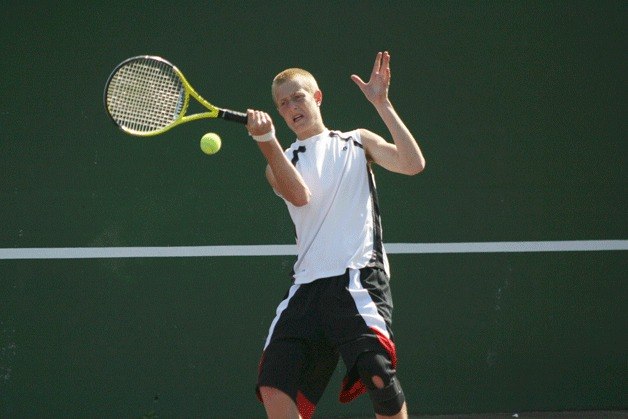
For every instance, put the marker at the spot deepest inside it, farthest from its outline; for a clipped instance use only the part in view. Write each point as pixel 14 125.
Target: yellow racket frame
pixel 213 111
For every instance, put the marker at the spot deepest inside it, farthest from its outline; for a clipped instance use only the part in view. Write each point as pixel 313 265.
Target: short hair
pixel 305 77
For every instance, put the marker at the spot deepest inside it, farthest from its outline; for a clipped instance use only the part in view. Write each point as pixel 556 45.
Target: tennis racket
pixel 147 95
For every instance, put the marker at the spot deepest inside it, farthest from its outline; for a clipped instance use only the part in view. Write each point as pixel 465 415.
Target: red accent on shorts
pixel 389 345
pixel 306 407
pixel 356 390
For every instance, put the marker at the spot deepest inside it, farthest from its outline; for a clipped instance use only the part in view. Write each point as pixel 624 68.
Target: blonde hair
pixel 306 79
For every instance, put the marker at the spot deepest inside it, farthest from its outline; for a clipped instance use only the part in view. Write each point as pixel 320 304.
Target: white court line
pixel 510 247
pixel 287 249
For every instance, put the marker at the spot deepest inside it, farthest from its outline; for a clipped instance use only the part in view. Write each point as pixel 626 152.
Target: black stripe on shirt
pixel 377 258
pixel 295 154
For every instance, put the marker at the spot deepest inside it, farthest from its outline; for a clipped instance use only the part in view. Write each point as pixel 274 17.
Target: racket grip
pixel 234 116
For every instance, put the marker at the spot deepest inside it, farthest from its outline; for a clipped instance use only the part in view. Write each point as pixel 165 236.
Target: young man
pixel 339 304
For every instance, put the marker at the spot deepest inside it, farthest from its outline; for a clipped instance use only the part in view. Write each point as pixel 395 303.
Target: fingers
pixel 259 122
pixel 382 63
pixel 377 65
pixel 385 68
pixel 385 59
pixel 386 63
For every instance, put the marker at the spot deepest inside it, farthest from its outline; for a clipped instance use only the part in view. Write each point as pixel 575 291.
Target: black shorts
pixel 316 323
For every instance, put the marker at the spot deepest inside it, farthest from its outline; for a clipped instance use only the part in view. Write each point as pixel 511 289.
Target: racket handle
pixel 234 116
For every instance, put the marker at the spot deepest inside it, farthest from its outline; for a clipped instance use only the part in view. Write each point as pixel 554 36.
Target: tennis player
pixel 339 304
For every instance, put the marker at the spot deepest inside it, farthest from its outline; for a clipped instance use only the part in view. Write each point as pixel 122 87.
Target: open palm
pixel 376 89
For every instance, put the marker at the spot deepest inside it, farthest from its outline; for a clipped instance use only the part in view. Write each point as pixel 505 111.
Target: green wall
pixel 519 107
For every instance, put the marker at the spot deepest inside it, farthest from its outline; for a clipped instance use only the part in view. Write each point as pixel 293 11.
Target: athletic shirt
pixel 340 226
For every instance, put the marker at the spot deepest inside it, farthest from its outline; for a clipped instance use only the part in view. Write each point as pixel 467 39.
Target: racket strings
pixel 145 95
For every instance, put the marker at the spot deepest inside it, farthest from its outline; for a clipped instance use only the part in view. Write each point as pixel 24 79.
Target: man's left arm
pixel 403 155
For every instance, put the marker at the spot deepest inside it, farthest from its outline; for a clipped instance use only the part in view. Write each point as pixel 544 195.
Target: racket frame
pixel 188 90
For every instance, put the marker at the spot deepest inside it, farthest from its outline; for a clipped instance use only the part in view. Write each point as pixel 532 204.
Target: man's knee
pixel 379 377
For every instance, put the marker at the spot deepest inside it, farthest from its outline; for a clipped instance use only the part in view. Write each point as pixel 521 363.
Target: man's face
pixel 299 108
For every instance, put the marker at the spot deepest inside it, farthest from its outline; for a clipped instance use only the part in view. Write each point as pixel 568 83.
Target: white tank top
pixel 340 227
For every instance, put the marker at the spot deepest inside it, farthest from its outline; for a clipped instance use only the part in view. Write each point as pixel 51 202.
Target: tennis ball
pixel 210 143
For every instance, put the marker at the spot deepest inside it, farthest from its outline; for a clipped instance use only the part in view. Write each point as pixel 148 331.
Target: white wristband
pixel 269 136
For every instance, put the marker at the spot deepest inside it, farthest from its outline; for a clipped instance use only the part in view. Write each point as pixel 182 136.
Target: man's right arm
pixel 280 173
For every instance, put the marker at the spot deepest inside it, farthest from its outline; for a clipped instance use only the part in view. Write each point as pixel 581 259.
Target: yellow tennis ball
pixel 210 143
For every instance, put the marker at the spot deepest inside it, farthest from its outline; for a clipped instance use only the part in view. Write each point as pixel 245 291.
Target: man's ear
pixel 318 97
